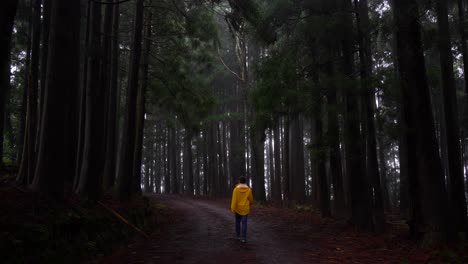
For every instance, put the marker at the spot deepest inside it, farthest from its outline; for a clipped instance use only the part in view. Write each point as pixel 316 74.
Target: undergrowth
pixel 70 232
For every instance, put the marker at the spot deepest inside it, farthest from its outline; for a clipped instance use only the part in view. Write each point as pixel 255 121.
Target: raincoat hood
pixel 241 199
pixel 242 187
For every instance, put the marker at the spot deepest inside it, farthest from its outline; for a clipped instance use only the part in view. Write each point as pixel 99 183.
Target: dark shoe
pixel 243 241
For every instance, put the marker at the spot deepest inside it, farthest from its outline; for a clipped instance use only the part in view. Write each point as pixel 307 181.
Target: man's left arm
pixel 233 201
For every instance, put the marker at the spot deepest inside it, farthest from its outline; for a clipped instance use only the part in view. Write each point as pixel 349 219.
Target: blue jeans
pixel 241 226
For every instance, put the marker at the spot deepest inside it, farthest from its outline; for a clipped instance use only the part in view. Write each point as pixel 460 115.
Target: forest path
pixel 203 232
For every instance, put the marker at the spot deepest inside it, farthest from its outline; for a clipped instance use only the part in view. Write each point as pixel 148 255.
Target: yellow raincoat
pixel 242 198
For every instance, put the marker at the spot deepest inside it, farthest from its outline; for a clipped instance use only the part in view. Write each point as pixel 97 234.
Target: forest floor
pixel 34 229
pixel 201 230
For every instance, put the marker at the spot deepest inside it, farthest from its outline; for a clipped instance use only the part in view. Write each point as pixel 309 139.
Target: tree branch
pixel 227 67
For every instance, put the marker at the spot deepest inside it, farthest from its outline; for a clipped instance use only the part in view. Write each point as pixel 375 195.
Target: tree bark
pixel 276 190
pixel 7 18
pixel 27 166
pixel 361 214
pixel 258 172
pixel 172 156
pixel 127 159
pixel 296 160
pixel 333 137
pixel 167 175
pixel 111 111
pixel 368 101
pixel 271 166
pixel 61 85
pixel 141 107
pixel 426 182
pixel 188 162
pixel 318 159
pixel 286 159
pixel 90 182
pixel 463 46
pixel 22 127
pixel 383 164
pixel 456 189
pixel 205 162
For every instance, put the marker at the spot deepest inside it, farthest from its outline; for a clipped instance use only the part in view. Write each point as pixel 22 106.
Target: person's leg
pixel 244 227
pixel 238 222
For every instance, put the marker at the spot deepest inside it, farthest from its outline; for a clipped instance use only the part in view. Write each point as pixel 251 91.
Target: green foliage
pixel 183 70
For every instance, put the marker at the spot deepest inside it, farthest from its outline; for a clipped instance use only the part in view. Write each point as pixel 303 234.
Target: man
pixel 242 198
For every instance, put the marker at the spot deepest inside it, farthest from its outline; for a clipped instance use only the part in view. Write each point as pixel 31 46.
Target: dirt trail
pixel 203 232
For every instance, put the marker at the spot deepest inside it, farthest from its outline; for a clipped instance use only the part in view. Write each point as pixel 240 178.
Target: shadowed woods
pixel 353 109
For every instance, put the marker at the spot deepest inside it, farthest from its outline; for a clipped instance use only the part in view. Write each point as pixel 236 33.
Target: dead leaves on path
pixel 331 241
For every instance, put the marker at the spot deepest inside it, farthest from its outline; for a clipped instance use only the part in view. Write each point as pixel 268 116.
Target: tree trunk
pixel 22 126
pixel 463 46
pixel 271 166
pixel 368 101
pixel 46 5
pixel 178 168
pixel 456 189
pixel 140 108
pixel 225 173
pixel 168 157
pixel 188 162
pixel 205 162
pixel 383 165
pixel 90 182
pixel 129 134
pixel 333 137
pixel 27 165
pixel 426 182
pixel 197 170
pixel 296 160
pixel 173 160
pixel 318 159
pixel 258 172
pixel 61 85
pixel 111 111
pixel 361 214
pixel 276 190
pixel 7 18
pixel 286 159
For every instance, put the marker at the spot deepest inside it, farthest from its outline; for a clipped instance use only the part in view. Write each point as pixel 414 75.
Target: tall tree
pixel 140 105
pixel 318 158
pixel 426 182
pixel 361 214
pixel 296 160
pixel 276 189
pixel 7 18
pixel 125 180
pixel 368 101
pixel 90 181
pixel 27 166
pixel 46 5
pixel 456 189
pixel 61 85
pixel 111 123
pixel 257 135
pixel 188 162
pixel 463 47
pixel 27 63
